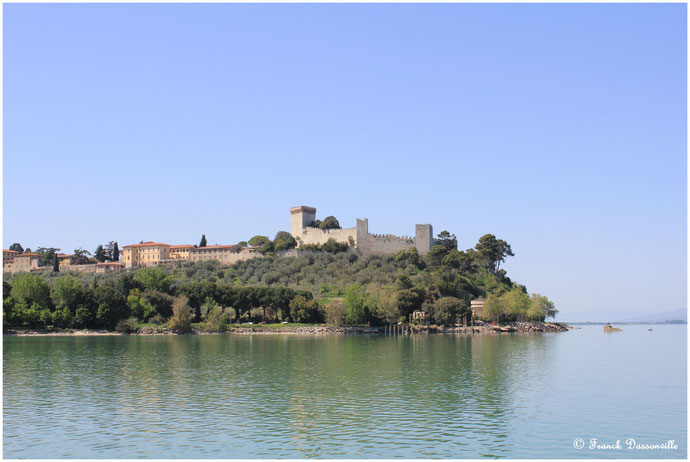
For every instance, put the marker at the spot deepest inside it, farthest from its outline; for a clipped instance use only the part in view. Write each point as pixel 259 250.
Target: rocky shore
pixel 516 327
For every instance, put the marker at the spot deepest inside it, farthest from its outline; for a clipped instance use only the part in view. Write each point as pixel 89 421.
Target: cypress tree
pixel 203 241
pixel 56 264
pixel 116 253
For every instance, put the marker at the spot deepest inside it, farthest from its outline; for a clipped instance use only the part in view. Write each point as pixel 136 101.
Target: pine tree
pixel 100 254
pixel 203 241
pixel 116 253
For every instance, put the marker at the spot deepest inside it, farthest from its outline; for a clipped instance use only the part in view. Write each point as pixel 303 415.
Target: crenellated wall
pixel 385 243
pixel 365 242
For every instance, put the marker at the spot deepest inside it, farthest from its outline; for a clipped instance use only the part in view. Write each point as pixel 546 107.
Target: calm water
pixel 449 396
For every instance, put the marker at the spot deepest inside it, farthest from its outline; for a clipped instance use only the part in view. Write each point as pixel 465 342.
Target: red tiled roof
pixel 183 246
pixel 211 247
pixel 9 251
pixel 30 254
pixel 146 244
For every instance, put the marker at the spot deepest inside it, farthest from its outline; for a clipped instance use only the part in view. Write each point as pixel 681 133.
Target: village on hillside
pixel 306 232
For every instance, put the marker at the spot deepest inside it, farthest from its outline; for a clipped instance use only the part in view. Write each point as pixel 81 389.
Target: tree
pixel 242 243
pixel 541 308
pixel 110 250
pixel 56 264
pixel 329 223
pixel 333 246
pixel 284 241
pixel 31 289
pixel 436 255
pixel 409 256
pixel 315 224
pixel 408 301
pixel 111 306
pixel 100 255
pixel 383 302
pixel 116 252
pixel 447 310
pixel 459 260
pixel 68 293
pixel 335 312
pixel 17 247
pixel 305 311
pixel 449 241
pixel 47 254
pixel 492 252
pixel 517 303
pixel 80 257
pixel 203 241
pixel 354 303
pixel 154 278
pixel 181 320
pixel 495 308
pixel 258 241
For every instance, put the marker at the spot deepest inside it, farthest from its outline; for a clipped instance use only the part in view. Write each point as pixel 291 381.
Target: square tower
pixel 300 217
pixel 423 238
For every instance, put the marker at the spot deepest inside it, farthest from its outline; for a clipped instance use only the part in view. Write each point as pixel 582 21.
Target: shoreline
pixel 515 327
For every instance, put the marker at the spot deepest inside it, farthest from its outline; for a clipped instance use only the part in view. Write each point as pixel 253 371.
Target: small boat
pixel 610 328
pixel 650 329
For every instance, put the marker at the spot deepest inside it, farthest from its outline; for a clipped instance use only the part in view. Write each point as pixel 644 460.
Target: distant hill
pixel 681 314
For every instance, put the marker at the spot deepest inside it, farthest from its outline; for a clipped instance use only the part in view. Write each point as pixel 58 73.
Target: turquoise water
pixel 373 396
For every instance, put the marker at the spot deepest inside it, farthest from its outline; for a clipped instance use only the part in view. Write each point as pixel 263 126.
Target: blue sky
pixel 559 128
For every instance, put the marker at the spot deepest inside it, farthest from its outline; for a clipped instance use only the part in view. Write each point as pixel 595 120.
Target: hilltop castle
pixel 359 236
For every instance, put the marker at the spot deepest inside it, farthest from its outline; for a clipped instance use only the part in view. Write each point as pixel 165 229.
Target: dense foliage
pixel 331 283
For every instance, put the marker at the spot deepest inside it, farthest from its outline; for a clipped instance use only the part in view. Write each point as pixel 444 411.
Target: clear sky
pixel 559 128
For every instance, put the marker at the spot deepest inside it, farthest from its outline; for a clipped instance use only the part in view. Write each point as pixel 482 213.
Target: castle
pixel 357 237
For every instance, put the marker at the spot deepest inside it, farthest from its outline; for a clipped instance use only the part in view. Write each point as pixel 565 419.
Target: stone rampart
pixel 321 236
pixel 385 243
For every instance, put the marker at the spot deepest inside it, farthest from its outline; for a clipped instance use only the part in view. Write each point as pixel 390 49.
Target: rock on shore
pixel 518 327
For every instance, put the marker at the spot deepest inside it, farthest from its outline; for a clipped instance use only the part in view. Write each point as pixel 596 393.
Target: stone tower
pixel 300 217
pixel 423 238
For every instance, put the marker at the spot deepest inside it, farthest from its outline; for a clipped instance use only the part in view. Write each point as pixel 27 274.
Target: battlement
pixel 359 236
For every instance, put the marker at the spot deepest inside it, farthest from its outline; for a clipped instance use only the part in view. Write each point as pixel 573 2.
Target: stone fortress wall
pixel 365 242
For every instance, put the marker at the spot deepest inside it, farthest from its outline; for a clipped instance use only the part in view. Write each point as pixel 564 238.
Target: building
pixel 180 252
pixel 358 237
pixel 144 254
pixel 477 307
pixel 108 266
pixel 225 254
pixel 23 262
pixel 222 253
pixel 8 256
pixel 64 261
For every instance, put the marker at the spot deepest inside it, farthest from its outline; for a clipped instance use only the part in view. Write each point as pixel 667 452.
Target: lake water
pixel 360 396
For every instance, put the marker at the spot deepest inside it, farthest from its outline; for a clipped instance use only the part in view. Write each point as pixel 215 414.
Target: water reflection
pixel 449 396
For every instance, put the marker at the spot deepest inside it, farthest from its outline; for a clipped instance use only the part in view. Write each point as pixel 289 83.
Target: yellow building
pixel 8 256
pixel 64 261
pixel 23 262
pixel 222 253
pixel 144 254
pixel 180 252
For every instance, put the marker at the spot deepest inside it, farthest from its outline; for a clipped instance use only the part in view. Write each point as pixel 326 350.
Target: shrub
pixel 157 320
pixel 181 320
pixel 127 326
